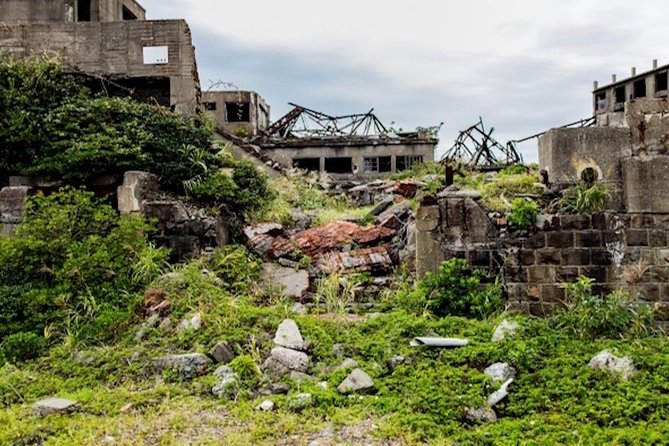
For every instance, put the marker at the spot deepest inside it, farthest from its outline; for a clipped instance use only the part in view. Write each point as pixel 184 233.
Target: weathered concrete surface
pixel 645 183
pixel 137 186
pixel 51 406
pixel 66 11
pixel 429 254
pixel 12 204
pixel 293 283
pixel 259 111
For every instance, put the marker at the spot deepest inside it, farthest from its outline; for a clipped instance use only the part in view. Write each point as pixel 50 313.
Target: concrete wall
pixel 609 248
pixel 284 153
pixel 115 49
pixel 259 111
pixel 12 11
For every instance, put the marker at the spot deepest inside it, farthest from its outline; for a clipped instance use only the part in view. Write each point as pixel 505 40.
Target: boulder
pixel 222 352
pixel 187 366
pixel 271 229
pixel 395 362
pixel 266 406
pixel 504 329
pixel 51 406
pixel 300 401
pixel 621 366
pixel 227 386
pixel 293 283
pixel 356 382
pixel 346 364
pixel 193 323
pixel 284 360
pixel 288 335
pixel 500 371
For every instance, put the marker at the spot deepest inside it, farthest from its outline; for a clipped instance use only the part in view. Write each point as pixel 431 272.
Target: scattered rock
pixel 356 382
pixel 301 221
pixel 499 394
pixel 227 386
pixel 166 325
pixel 348 363
pixel 299 308
pixel 504 329
pixel 300 377
pixel 288 335
pixel 279 389
pixel 223 371
pixel 604 360
pixel 401 210
pixel 323 385
pixel 480 415
pixel 186 366
pixel 51 406
pixel 338 350
pixel 394 362
pixel 283 360
pixel 194 323
pixel 272 229
pixel 382 206
pixel 293 283
pixel 300 401
pixel 127 408
pixel 500 371
pixel 108 440
pixel 222 353
pixel 266 406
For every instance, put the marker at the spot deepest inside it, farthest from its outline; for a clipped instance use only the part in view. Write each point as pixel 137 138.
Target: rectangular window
pixel 339 165
pixel 405 162
pixel 237 111
pixel 640 88
pixel 371 165
pixel 307 163
pixel 84 10
pixel 661 82
pixel 600 100
pixel 210 106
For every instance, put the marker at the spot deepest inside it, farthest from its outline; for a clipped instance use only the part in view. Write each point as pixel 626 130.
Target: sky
pixel 524 66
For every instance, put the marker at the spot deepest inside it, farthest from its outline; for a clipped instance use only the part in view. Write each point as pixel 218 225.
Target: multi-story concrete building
pixel 242 113
pixel 110 40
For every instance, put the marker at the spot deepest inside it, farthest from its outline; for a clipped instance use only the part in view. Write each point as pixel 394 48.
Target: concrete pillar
pixel 322 164
pixel 428 251
pixel 393 163
pixel 137 186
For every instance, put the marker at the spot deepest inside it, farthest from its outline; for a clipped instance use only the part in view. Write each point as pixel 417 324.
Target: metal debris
pixel 438 342
pixel 475 147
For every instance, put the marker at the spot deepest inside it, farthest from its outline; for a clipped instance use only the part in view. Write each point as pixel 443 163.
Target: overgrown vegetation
pixel 453 291
pixel 523 212
pixel 583 198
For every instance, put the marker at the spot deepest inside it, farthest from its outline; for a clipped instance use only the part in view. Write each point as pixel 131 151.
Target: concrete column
pixel 322 164
pixel 393 163
pixel 428 251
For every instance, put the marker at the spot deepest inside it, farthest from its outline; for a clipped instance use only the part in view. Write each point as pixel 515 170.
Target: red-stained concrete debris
pixel 334 236
pixel 407 188
pixel 372 260
pixel 261 243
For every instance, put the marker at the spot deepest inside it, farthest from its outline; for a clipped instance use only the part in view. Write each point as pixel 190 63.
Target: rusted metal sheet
pixel 373 260
pixel 407 188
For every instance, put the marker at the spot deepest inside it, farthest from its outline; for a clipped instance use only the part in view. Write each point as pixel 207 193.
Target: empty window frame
pixel 620 98
pixel 307 163
pixel 377 164
pixel 210 106
pixel 661 82
pixel 128 15
pixel 339 165
pixel 600 101
pixel 405 162
pixel 237 111
pixel 84 10
pixel 640 88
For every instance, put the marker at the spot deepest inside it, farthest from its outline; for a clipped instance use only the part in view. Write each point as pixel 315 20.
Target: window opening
pixel 210 106
pixel 237 111
pixel 84 10
pixel 661 82
pixel 600 100
pixel 339 165
pixel 640 88
pixel 128 15
pixel 405 162
pixel 307 163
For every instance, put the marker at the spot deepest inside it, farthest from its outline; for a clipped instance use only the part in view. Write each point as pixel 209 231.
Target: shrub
pixel 523 212
pixel 455 291
pixel 613 316
pixel 71 256
pixel 22 346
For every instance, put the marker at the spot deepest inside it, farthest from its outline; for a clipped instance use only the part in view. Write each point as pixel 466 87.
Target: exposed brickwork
pixel 606 247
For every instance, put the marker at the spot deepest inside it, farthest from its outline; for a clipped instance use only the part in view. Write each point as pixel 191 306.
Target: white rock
pixel 504 329
pixel 500 371
pixel 356 382
pixel 282 360
pixel 194 323
pixel 604 360
pixel 288 335
pixel 266 406
pixel 346 364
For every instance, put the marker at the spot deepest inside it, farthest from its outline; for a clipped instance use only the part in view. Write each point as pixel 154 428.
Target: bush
pixel 523 212
pixel 455 291
pixel 583 198
pixel 22 346
pixel 613 316
pixel 71 256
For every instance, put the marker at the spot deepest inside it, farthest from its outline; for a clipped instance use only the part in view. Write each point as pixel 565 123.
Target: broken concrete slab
pixel 375 260
pixel 505 329
pixel 271 229
pixel 292 283
pixel 401 210
pixel 12 203
pixel 52 406
pixel 137 186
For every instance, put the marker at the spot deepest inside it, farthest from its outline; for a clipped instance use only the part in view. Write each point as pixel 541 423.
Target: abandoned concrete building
pixel 110 40
pixel 625 246
pixel 241 113
pixel 345 147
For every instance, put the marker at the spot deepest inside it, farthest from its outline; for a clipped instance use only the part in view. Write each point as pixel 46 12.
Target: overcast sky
pixel 523 65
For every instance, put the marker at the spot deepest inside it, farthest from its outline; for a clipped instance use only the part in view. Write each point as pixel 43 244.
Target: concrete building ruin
pixel 345 147
pixel 110 40
pixel 626 246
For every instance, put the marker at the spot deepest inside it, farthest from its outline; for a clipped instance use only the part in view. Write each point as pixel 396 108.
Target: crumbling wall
pixel 614 249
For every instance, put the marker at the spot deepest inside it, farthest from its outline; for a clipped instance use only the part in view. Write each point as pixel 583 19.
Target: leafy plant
pixel 22 346
pixel 615 315
pixel 583 199
pixel 454 291
pixel 523 212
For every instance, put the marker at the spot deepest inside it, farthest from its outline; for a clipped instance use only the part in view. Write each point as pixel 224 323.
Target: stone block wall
pixel 610 248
